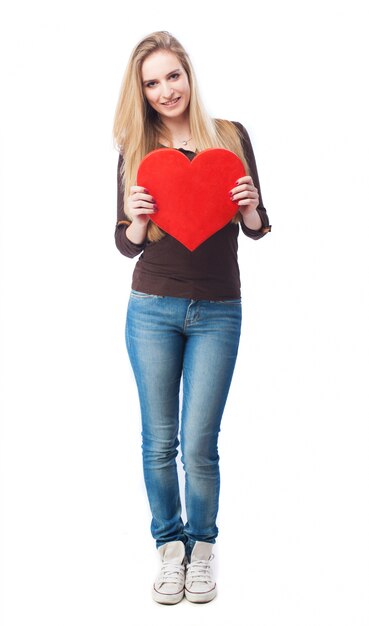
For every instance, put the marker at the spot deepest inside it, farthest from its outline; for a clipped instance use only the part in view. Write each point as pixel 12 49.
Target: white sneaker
pixel 169 584
pixel 200 586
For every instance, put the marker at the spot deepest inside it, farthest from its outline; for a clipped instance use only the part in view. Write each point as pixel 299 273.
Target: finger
pixel 143 196
pixel 247 202
pixel 244 179
pixel 245 194
pixel 141 211
pixel 135 188
pixel 243 187
pixel 141 203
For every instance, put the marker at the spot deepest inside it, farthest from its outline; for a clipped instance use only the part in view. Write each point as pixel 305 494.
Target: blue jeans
pixel 169 338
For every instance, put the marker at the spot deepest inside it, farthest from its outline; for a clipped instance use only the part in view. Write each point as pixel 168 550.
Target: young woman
pixel 184 312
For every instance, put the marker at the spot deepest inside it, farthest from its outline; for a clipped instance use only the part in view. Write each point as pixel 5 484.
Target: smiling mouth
pixel 171 102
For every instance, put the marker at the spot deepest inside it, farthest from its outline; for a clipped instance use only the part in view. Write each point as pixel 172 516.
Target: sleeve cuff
pixel 263 230
pixel 125 245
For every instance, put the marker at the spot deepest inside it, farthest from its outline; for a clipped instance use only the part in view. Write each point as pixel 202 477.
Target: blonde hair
pixel 138 127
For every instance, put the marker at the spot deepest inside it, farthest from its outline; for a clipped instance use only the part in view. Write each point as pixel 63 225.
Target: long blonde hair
pixel 138 127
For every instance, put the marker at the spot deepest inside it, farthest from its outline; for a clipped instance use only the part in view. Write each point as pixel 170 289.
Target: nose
pixel 167 91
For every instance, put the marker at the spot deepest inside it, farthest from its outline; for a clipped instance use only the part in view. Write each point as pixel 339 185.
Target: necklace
pixel 182 142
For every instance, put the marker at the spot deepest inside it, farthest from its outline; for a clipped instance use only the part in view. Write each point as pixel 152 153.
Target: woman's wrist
pixel 136 233
pixel 252 220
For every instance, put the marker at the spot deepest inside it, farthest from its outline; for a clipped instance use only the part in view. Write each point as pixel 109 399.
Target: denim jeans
pixel 169 338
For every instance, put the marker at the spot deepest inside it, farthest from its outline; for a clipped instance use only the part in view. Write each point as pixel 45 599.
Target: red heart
pixel 192 196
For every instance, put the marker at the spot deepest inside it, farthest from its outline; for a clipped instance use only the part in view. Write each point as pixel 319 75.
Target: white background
pixel 293 547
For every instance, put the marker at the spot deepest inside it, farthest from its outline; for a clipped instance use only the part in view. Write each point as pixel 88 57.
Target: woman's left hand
pixel 245 194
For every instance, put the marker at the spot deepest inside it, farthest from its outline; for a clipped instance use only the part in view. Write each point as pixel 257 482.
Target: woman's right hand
pixel 140 205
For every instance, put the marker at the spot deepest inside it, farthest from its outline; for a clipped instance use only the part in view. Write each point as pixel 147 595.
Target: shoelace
pixel 171 573
pixel 199 571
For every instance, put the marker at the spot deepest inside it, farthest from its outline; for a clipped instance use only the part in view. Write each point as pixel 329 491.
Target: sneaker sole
pixel 165 598
pixel 200 598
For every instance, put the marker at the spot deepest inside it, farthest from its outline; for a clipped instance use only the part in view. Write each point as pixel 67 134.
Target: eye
pixel 152 82
pixel 176 74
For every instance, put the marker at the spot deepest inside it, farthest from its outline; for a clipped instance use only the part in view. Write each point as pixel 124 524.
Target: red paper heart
pixel 192 196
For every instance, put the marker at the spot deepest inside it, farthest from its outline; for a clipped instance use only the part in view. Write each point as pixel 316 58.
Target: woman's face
pixel 165 81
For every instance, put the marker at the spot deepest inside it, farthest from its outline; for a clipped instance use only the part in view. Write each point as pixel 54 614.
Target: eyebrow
pixel 178 69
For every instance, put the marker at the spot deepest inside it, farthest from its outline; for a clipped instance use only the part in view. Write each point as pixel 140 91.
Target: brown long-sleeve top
pixel 211 271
